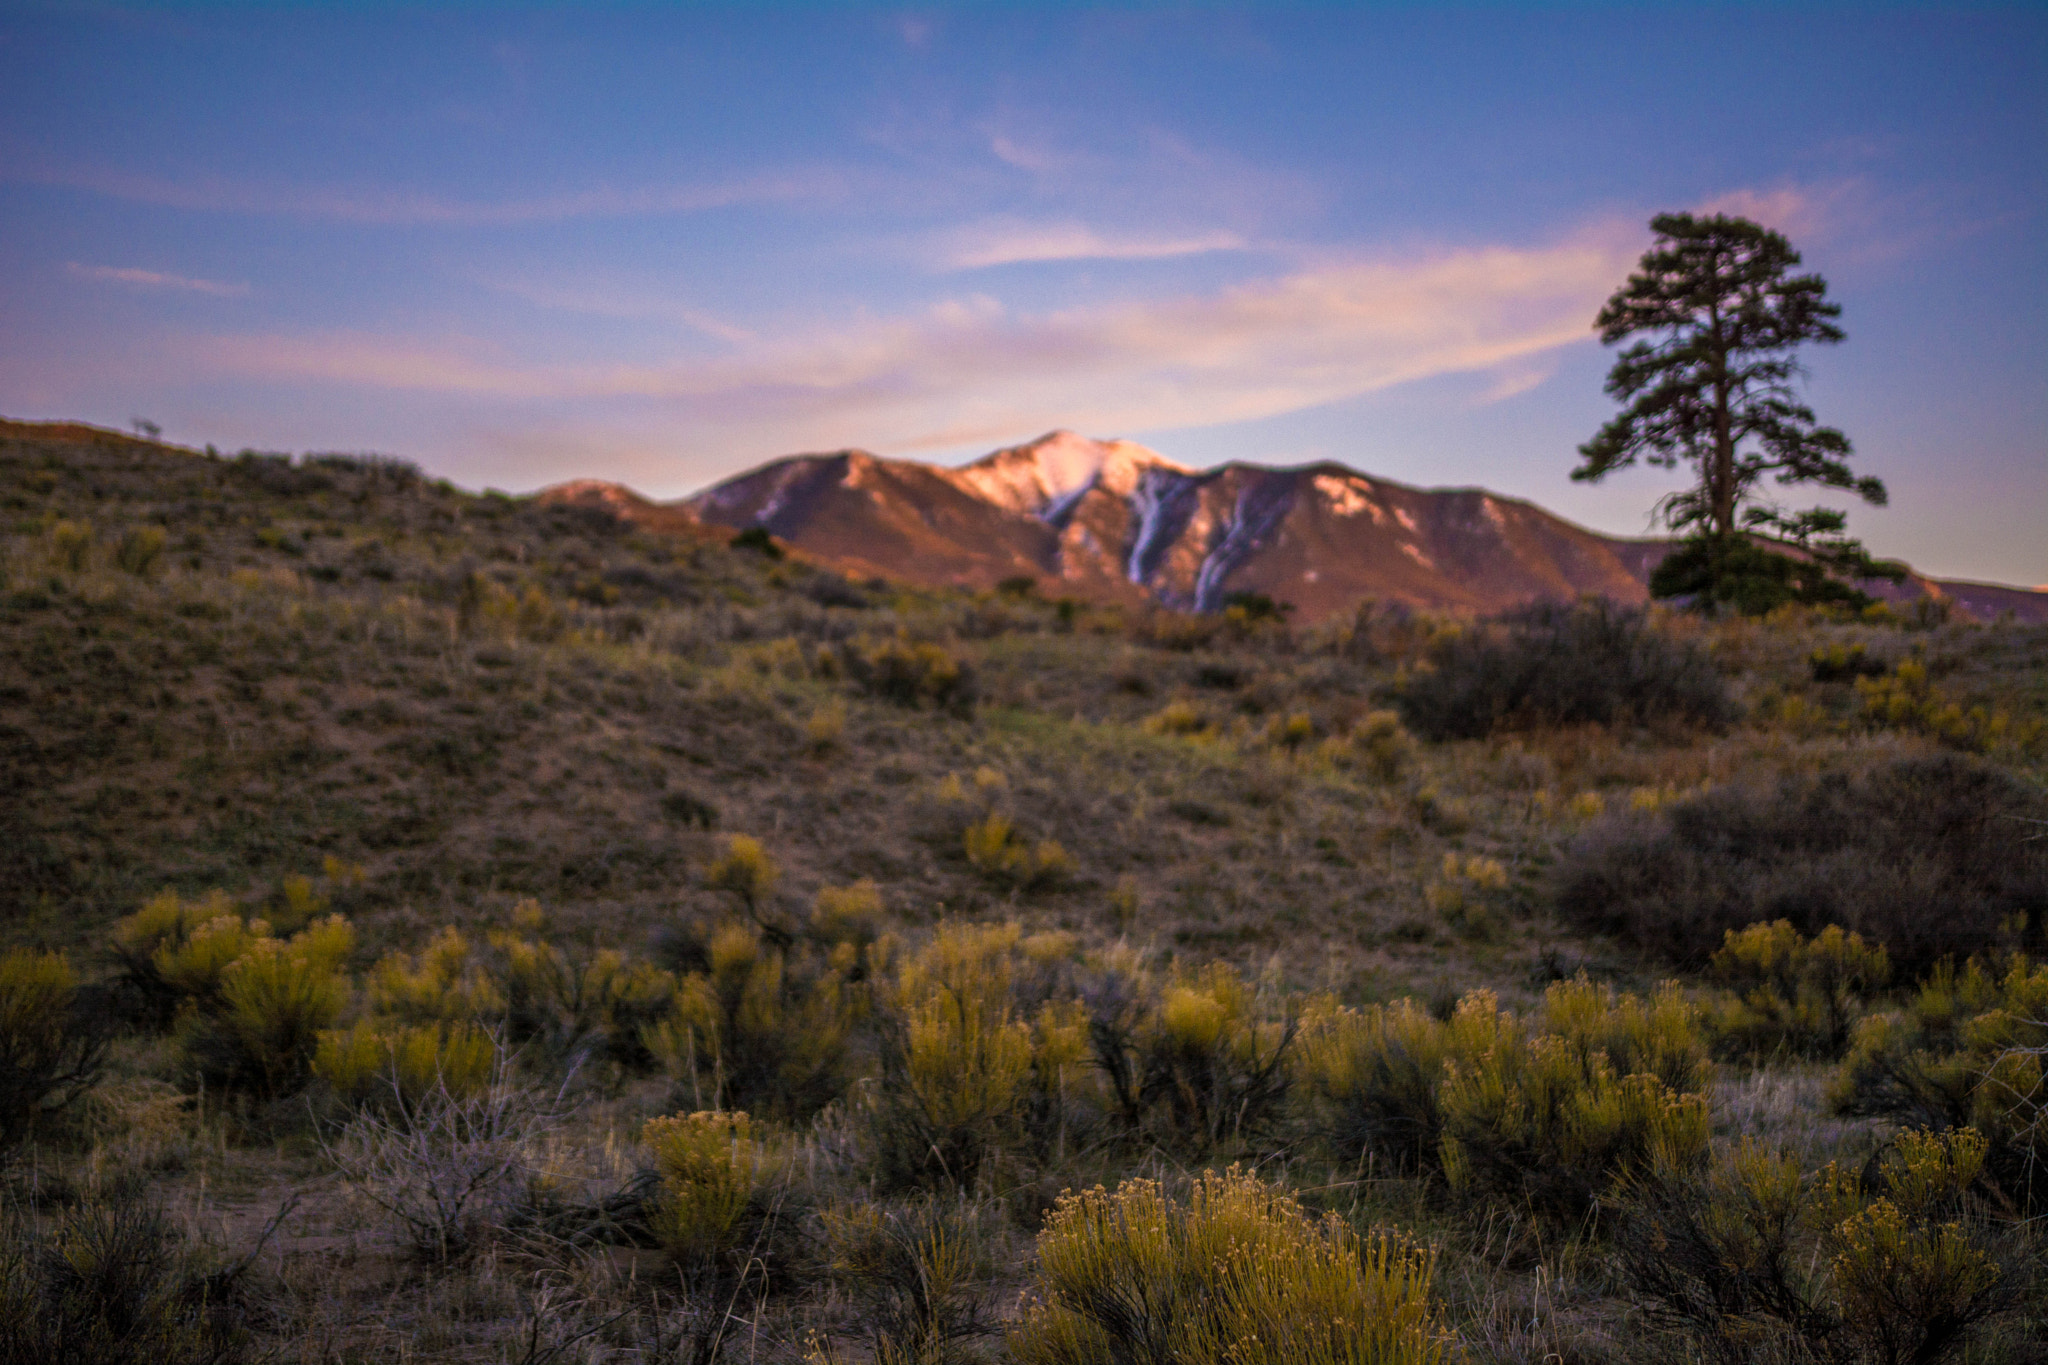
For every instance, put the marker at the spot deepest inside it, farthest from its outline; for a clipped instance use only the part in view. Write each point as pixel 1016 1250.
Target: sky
pixel 663 244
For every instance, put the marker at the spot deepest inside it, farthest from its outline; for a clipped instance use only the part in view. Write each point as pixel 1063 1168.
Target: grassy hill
pixel 1148 876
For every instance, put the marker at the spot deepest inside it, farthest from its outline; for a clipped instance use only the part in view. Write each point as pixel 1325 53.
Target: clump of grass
pixel 1787 995
pixel 919 1276
pixel 115 1281
pixel 1238 1272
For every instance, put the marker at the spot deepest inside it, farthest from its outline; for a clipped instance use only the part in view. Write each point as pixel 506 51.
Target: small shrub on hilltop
pixel 53 1040
pixel 1791 996
pixel 1754 1259
pixel 1970 1049
pixel 1240 1272
pixel 1593 663
pixel 1874 852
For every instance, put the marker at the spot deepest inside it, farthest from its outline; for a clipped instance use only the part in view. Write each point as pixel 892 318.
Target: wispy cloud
pixel 156 279
pixel 992 244
pixel 372 206
pixel 970 369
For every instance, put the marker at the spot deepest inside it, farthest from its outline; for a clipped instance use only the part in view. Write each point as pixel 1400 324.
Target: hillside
pixel 563 852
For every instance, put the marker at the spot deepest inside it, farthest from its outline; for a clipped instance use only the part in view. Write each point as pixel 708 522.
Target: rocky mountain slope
pixel 1112 520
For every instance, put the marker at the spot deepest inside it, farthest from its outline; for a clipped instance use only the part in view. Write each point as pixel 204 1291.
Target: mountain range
pixel 1114 521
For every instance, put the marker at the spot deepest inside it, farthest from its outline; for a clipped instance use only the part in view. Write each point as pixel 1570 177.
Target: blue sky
pixel 663 244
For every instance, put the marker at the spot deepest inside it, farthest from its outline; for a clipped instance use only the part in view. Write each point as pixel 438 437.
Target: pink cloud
pixel 156 279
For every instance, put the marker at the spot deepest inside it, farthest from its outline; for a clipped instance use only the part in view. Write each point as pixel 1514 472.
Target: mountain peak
pixel 1046 476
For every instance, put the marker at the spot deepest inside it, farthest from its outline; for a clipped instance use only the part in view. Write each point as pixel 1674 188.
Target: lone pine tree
pixel 1711 384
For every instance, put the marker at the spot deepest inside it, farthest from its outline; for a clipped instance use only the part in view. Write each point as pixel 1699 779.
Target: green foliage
pixel 1593 663
pixel 275 1001
pixel 1196 1061
pixel 1970 1049
pixel 71 541
pixel 114 1282
pixel 53 1040
pixel 1548 1113
pixel 1240 1272
pixel 759 540
pixel 1714 388
pixel 747 871
pixel 1754 1259
pixel 1787 995
pixel 1738 573
pixel 1905 700
pixel 1554 1121
pixel 398 1067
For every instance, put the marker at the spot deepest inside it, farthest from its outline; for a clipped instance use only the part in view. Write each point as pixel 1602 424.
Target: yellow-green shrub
pixel 1756 1259
pixel 1786 994
pixel 712 1165
pixel 746 870
pixel 1370 1077
pixel 1178 718
pixel 50 1049
pixel 1544 1126
pixel 174 949
pixel 589 1003
pixel 445 980
pixel 1969 1049
pixel 916 1276
pixel 275 1001
pixel 1467 895
pixel 1905 699
pixel 1239 1273
pixel 397 1065
pixel 748 1030
pixel 959 1063
pixel 908 673
pixel 1383 746
pixel 996 850
pixel 140 549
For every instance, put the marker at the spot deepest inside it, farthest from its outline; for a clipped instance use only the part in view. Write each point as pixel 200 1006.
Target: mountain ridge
pixel 1115 521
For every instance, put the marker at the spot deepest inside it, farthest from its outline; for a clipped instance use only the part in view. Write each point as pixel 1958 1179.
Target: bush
pixel 1611 1087
pixel 1905 700
pixel 1787 995
pixel 748 1030
pixel 270 1007
pixel 1734 571
pixel 400 1067
pixel 1754 1259
pixel 713 1172
pixel 1874 852
pixel 1547 1113
pixel 114 1283
pixel 998 852
pixel 140 549
pixel 957 1064
pixel 910 674
pixel 1594 663
pixel 53 1040
pixel 449 1166
pixel 1196 1062
pixel 918 1277
pixel 1970 1049
pixel 1238 1273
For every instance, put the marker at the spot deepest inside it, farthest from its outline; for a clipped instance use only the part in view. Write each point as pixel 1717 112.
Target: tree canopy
pixel 1711 383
